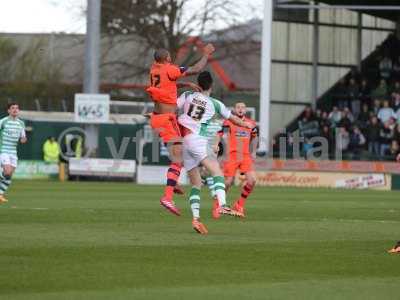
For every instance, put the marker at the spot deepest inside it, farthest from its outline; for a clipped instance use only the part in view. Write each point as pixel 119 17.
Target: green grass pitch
pixel 114 241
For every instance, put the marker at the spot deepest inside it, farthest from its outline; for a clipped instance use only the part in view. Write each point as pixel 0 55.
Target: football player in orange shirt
pixel 239 156
pixel 163 91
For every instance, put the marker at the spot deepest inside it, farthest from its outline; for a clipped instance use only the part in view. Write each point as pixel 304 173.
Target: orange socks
pixel 173 174
pixel 246 191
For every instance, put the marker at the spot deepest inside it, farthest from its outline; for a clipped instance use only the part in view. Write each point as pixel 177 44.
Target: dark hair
pixel 205 80
pixel 160 55
pixel 11 104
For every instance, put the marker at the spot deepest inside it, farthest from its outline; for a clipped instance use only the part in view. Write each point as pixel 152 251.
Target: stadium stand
pixel 359 115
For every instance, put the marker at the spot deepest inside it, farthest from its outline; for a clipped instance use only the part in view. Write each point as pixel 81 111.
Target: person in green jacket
pixel 51 151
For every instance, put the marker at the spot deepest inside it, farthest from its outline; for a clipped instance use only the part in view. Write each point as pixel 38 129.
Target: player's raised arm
pixel 190 85
pixel 196 68
pixel 239 122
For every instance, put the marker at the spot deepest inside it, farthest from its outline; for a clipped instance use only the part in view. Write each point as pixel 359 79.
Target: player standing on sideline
pixel 163 91
pixel 198 111
pixel 239 156
pixel 12 131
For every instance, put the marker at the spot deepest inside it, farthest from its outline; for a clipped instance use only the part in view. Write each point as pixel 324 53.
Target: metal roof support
pixel 398 28
pixel 359 41
pixel 315 59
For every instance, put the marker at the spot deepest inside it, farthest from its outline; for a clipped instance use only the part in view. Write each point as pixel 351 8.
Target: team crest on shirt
pixel 12 132
pixel 242 133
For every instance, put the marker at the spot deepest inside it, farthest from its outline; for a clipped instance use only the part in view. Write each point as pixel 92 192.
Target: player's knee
pixel 251 180
pixel 217 172
pixel 196 186
pixel 228 181
pixel 7 174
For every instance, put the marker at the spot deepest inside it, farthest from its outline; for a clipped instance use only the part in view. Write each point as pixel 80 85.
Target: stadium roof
pixel 385 14
pixel 392 15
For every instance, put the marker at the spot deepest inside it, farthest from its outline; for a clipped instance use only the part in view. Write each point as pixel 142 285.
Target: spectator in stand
pixel 395 88
pixel 385 67
pixel 395 102
pixel 385 137
pixel 397 116
pixel 392 123
pixel 342 94
pixel 346 120
pixel 396 68
pixel 318 114
pixel 347 113
pixel 373 136
pixel 364 117
pixel 376 107
pixel 357 142
pixel 396 133
pixel 326 133
pixel 335 116
pixel 393 151
pixel 342 140
pixel 364 92
pixel 308 115
pixel 324 120
pixel 381 90
pixel 353 95
pixel 386 112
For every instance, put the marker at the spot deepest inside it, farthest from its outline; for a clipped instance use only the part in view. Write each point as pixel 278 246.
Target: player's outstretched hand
pixel 209 49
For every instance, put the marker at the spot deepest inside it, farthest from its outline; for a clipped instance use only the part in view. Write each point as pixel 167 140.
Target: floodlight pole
pixel 315 59
pixel 92 65
pixel 92 47
pixel 265 83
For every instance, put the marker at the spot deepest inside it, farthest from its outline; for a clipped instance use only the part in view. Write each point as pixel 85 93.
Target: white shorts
pixel 195 149
pixel 8 159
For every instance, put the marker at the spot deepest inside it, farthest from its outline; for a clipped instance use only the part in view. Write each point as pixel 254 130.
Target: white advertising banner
pixel 362 182
pixel 92 108
pixel 102 167
pixel 308 179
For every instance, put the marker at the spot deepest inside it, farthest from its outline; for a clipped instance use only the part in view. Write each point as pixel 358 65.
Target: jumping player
pixel 163 91
pixel 198 110
pixel 12 131
pixel 239 156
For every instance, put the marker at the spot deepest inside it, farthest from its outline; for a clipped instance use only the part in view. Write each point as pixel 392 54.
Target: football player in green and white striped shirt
pixel 199 109
pixel 12 131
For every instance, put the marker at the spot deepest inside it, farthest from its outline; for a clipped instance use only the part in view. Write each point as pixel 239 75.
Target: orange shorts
pixel 244 165
pixel 167 127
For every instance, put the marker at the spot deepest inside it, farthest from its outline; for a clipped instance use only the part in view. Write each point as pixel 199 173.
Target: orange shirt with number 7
pixel 163 79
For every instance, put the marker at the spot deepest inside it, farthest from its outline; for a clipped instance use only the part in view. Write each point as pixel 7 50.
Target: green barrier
pixel 395 182
pixel 35 169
